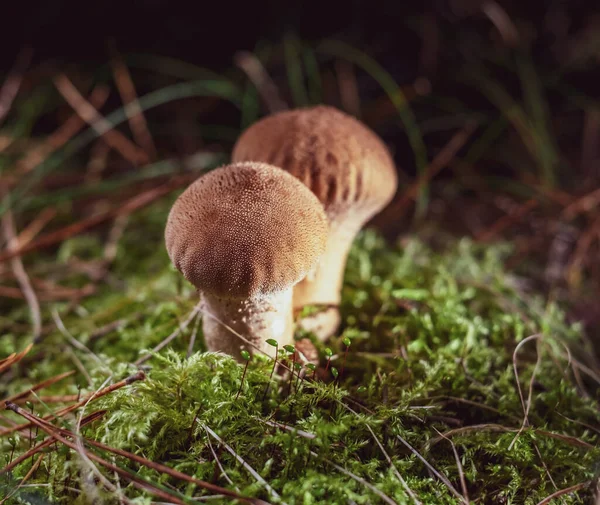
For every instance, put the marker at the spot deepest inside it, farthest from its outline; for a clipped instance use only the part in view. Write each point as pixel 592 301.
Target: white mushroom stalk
pixel 244 235
pixel 347 166
pixel 249 321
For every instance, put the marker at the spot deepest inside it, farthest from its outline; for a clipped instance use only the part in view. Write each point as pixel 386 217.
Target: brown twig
pixel 134 203
pixel 113 326
pixel 12 84
pixel 585 425
pixel 60 293
pixel 467 429
pixel 505 221
pixel 47 442
pixel 7 421
pixel 395 471
pixel 115 234
pixel 223 472
pixel 92 396
pixel 430 467
pixel 60 433
pixel 87 481
pixel 135 115
pixel 54 399
pixel 15 357
pixel 500 19
pixel 248 468
pixel 584 203
pixel 573 270
pixel 5 142
pixel 574 441
pixel 28 475
pixel 193 336
pixel 385 498
pixel 492 427
pixel 257 74
pixel 291 429
pixel 55 433
pixel 442 159
pixel 91 116
pixel 33 229
pixel 348 87
pixel 38 386
pixel 97 161
pixel 546 469
pixel 526 405
pixel 562 492
pixel 8 228
pixel 63 134
pixel 459 466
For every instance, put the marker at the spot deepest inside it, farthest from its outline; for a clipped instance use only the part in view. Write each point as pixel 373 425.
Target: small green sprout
pixel 298 368
pixel 273 343
pixel 246 358
pixel 313 368
pixel 13 445
pixel 292 351
pixel 328 353
pixel 346 341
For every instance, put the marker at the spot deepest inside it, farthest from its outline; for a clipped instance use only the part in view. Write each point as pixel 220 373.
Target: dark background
pixel 208 33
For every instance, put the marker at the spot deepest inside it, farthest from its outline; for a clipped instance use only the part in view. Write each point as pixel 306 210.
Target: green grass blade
pixel 293 66
pixel 250 106
pixel 313 75
pixel 537 109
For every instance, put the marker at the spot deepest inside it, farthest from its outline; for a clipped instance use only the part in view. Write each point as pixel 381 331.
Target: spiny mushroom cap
pixel 342 161
pixel 246 229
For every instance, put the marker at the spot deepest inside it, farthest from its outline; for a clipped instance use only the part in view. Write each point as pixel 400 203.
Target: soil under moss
pixel 428 406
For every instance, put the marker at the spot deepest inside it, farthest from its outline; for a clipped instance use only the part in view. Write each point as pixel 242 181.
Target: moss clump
pixel 430 370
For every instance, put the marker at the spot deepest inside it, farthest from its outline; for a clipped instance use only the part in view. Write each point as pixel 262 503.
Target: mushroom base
pixel 232 325
pixel 324 323
pixel 323 286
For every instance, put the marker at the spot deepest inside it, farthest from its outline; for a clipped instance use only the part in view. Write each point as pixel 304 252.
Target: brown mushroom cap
pixel 341 160
pixel 246 229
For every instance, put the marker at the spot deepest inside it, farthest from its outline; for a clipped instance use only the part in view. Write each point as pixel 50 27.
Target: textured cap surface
pixel 246 229
pixel 341 160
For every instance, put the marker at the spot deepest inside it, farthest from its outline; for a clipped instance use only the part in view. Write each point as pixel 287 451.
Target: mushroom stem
pixel 323 287
pixel 257 319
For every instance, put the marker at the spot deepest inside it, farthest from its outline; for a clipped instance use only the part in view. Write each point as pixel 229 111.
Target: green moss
pixel 432 340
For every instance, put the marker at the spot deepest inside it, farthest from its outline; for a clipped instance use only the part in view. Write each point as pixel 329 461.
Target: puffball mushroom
pixel 244 235
pixel 347 166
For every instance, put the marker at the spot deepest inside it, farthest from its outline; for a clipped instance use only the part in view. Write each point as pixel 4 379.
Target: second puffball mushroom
pixel 350 170
pixel 244 235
